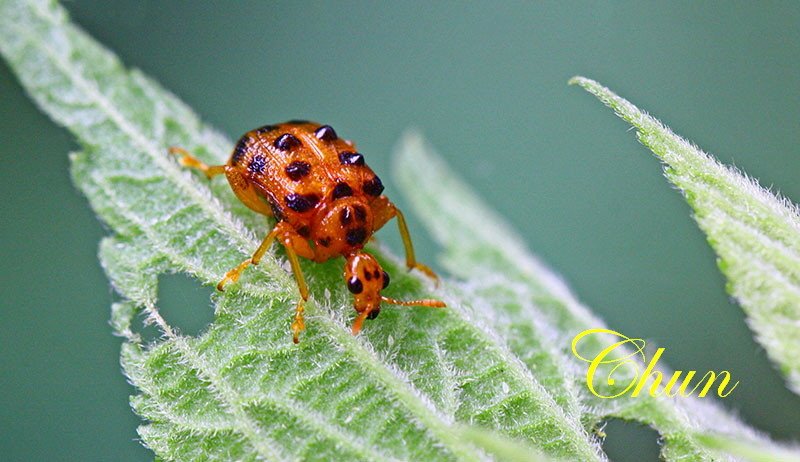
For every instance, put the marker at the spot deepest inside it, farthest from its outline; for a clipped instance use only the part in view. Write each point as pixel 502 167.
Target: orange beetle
pixel 327 201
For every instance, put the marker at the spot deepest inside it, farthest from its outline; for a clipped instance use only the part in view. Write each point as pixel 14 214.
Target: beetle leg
pixel 294 245
pixel 384 211
pixel 233 275
pixel 191 161
pixel 358 322
pixel 298 325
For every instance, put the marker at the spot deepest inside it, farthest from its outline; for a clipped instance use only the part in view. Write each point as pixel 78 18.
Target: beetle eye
pixel 354 285
pixel 385 279
pixel 374 313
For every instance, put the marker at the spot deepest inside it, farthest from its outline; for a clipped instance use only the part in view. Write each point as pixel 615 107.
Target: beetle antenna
pixel 424 302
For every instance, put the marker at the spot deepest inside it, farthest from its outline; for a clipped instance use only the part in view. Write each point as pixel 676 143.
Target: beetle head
pixel 366 279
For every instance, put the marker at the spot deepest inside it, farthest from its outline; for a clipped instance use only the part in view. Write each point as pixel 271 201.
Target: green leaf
pixel 746 450
pixel 241 389
pixel 514 293
pixel 755 233
pixel 502 447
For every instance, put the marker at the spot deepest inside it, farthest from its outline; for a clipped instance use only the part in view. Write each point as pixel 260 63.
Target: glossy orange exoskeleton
pixel 327 201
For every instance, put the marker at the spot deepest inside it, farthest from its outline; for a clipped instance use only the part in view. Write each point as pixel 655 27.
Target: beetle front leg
pixel 233 275
pixel 384 211
pixel 298 325
pixel 295 246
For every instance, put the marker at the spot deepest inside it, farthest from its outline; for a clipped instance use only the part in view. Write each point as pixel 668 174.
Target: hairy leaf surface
pixel 521 297
pixel 755 233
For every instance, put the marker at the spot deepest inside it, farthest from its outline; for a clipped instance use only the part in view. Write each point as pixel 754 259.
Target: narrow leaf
pixel 748 450
pixel 502 447
pixel 518 295
pixel 755 233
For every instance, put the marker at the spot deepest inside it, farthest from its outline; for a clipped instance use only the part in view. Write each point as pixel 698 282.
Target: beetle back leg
pixel 188 160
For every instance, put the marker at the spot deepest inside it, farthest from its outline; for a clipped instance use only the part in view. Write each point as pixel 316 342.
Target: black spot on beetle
pixel 325 241
pixel 356 236
pixel 351 158
pixel 376 274
pixel 265 129
pixel 367 276
pixel 374 313
pixel 301 202
pixel 373 187
pixel 361 213
pixel 354 285
pixel 297 170
pixel 287 142
pixel 386 279
pixel 257 164
pixel 240 150
pixel 326 133
pixel 304 231
pixel 345 216
pixel 342 190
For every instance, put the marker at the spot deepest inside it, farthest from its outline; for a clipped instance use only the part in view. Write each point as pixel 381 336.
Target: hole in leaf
pixel 629 441
pixel 184 303
pixel 149 333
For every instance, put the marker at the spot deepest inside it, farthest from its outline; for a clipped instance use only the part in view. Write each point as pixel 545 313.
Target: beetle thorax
pixel 342 227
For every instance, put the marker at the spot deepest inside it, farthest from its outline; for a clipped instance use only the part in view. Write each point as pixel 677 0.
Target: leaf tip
pixel 585 83
pixel 576 80
pixel 410 136
pixel 409 146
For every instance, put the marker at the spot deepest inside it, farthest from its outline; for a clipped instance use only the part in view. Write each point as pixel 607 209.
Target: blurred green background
pixel 487 84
